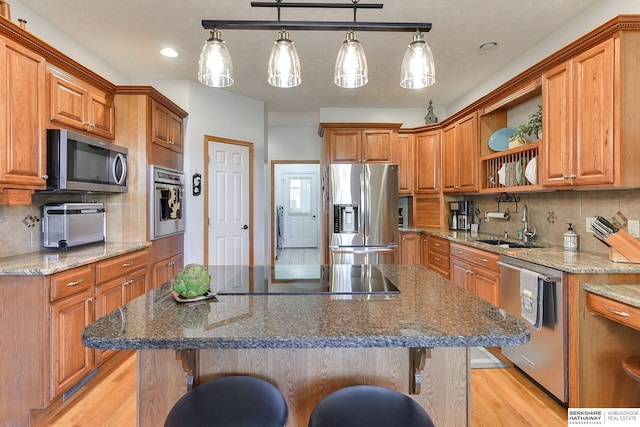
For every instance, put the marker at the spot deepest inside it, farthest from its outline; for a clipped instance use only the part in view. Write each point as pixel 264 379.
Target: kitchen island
pixel 309 344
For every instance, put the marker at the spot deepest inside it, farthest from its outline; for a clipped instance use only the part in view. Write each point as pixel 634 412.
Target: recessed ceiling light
pixel 168 52
pixel 487 47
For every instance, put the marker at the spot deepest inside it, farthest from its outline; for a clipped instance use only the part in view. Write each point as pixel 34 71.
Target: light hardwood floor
pixel 499 397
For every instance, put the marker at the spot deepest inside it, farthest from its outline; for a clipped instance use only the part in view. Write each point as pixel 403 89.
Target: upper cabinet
pixel 406 170
pixel 460 155
pixel 361 143
pixel 166 127
pixel 77 104
pixel 428 162
pixel 22 136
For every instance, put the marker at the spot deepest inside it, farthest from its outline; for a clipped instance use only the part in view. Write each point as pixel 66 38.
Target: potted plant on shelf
pixel 532 128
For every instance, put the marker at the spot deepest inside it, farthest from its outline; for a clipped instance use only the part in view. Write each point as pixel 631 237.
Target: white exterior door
pixel 300 210
pixel 228 200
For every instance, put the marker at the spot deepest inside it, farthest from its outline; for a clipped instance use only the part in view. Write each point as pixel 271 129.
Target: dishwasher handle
pixel 545 278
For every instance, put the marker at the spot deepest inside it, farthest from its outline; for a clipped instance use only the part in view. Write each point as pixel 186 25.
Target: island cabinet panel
pixel 410 248
pixel 305 376
pixel 22 135
pixel 77 104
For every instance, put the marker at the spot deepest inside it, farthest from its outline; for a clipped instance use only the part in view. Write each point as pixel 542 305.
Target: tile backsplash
pixel 551 212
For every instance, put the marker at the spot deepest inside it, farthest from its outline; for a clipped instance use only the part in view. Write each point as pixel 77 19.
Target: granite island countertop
pixel 429 311
pixel 45 262
pixel 543 254
pixel 627 293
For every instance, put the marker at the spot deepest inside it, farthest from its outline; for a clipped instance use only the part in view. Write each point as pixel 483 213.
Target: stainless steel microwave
pixel 78 163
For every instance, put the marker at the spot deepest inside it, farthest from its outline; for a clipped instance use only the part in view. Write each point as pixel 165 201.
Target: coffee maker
pixel 460 215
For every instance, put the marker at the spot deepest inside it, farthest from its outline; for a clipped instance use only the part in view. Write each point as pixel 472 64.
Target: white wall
pixel 409 117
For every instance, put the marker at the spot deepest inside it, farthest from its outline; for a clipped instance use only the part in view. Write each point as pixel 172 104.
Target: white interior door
pixel 300 210
pixel 228 199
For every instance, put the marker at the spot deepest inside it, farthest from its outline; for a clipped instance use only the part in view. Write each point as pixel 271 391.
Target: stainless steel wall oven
pixel 166 204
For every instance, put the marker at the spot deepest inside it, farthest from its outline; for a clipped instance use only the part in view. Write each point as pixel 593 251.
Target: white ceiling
pixel 129 35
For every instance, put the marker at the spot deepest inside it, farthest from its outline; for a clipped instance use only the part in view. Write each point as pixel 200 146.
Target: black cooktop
pixel 303 279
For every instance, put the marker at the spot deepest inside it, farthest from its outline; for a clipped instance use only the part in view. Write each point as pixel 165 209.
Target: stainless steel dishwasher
pixel 544 358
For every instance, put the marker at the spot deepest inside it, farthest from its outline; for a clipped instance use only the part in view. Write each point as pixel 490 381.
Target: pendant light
pixel 214 67
pixel 351 69
pixel 284 63
pixel 418 69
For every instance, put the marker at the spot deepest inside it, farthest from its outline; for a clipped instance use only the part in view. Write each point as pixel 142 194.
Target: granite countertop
pixel 52 261
pixel 429 311
pixel 627 293
pixel 547 255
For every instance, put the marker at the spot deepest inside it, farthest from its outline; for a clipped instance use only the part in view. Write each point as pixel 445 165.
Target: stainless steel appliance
pixel 79 163
pixel 65 225
pixel 544 358
pixel 166 204
pixel 460 215
pixel 363 200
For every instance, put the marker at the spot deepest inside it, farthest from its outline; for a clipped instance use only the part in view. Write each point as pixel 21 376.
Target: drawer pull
pixel 436 245
pixel 76 283
pixel 127 264
pixel 469 271
pixel 483 260
pixel 128 282
pixel 619 313
pixel 460 252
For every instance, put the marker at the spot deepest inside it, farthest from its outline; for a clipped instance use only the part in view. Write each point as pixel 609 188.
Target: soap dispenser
pixel 570 239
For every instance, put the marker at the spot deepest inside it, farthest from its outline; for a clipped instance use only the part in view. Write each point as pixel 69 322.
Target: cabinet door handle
pixel 469 271
pixel 619 313
pixel 91 299
pixel 172 263
pixel 171 143
pixel 45 176
pixel 127 264
pixel 128 282
pixel 76 283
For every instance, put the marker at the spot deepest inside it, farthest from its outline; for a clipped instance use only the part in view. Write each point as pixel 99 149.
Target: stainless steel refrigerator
pixel 363 203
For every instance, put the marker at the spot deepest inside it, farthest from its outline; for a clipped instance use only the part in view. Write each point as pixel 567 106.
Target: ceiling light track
pixel 351 71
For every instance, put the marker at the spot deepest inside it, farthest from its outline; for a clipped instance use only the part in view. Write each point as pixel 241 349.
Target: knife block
pixel 623 247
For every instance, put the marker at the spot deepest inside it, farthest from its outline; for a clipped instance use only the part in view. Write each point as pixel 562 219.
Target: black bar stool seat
pixel 232 401
pixel 368 406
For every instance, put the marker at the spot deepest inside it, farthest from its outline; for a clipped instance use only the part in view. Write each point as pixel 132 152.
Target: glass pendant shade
pixel 214 67
pixel 284 64
pixel 351 64
pixel 418 69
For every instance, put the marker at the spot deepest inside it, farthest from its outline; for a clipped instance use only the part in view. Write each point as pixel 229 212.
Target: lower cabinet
pixel 438 258
pixel 166 259
pixel 165 270
pixel 477 271
pixel 410 248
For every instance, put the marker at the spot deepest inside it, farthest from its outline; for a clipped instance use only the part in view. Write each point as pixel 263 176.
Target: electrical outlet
pixel 633 227
pixel 588 224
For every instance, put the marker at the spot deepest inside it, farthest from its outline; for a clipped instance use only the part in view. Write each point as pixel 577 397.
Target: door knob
pixel 244 227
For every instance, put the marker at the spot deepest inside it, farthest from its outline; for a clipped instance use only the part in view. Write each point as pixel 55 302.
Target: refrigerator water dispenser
pixel 345 218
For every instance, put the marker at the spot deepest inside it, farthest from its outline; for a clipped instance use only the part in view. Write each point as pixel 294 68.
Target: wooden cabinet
pixel 70 311
pixel 410 248
pixel 428 162
pixel 460 156
pixel 589 136
pixel 363 142
pixel 477 271
pixel 166 269
pixel 406 161
pixel 166 127
pixel 438 258
pixel 79 105
pixel 424 242
pixel 22 135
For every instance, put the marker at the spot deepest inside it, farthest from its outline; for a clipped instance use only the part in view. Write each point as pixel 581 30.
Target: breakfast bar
pixel 310 342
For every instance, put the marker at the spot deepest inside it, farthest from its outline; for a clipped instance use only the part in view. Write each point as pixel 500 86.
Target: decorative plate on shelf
pixel 178 298
pixel 499 141
pixel 531 171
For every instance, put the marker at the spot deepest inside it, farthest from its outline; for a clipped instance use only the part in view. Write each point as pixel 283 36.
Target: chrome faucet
pixel 527 234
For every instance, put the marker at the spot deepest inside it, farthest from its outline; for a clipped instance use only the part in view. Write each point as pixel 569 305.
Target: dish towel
pixel 531 298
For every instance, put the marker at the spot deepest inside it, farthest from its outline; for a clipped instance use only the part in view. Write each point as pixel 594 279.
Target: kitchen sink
pixel 508 244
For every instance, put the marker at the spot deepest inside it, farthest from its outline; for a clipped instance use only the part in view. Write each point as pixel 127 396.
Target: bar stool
pixel 631 366
pixel 235 400
pixel 368 406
